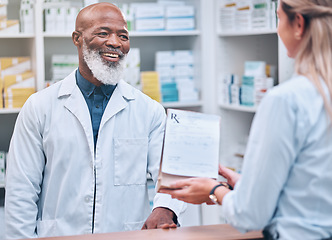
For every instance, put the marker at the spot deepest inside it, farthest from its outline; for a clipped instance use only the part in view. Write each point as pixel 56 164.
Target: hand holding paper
pixel 191 147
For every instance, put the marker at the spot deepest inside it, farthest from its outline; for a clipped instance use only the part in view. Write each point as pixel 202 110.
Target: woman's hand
pixel 192 190
pixel 231 176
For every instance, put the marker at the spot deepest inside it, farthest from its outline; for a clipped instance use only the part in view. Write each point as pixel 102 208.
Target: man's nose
pixel 113 41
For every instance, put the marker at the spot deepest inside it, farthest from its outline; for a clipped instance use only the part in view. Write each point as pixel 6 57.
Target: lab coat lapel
pixel 76 104
pixel 122 94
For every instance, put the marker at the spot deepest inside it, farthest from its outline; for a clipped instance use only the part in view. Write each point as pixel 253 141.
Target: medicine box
pixel 180 11
pixel 180 24
pixel 16 95
pixel 183 57
pixel 150 84
pixel 152 24
pixel 14 65
pixel 165 58
pixel 148 11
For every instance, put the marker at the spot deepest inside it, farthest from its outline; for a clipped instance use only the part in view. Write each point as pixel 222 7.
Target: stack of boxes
pixel 255 83
pixel 245 15
pixel 17 80
pixel 258 78
pixel 7 26
pixel 161 16
pixel 150 85
pixel 176 74
pixel 227 12
pixel 149 17
pixel 165 67
pixel 180 18
pixel 63 65
pixel 24 25
pixel 229 89
pixel 60 16
pixel 184 76
pixel 27 16
pixel 263 15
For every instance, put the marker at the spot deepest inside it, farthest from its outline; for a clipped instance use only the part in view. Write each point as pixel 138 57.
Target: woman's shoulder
pixel 297 86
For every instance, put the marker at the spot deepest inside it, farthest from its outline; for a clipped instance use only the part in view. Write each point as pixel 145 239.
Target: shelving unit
pixel 215 53
pixel 40 46
pixel 232 49
pixel 14 45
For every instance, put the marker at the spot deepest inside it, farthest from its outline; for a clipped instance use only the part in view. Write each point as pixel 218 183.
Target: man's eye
pixel 125 37
pixel 102 34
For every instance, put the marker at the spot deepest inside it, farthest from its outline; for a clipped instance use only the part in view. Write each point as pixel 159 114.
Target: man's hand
pixel 160 218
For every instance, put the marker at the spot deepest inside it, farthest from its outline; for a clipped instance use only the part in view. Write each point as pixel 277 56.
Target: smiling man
pixel 82 148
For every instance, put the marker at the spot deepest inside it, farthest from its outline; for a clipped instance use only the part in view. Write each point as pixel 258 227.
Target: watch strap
pixel 215 187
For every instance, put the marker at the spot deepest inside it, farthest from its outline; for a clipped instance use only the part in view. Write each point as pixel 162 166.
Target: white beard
pixel 109 73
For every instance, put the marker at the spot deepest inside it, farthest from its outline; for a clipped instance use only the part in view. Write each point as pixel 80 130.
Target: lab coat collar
pixel 126 90
pixel 68 85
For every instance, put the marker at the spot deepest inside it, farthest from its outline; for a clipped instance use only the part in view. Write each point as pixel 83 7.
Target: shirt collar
pixel 87 87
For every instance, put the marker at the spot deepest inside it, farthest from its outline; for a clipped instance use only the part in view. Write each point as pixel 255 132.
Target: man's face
pixel 108 73
pixel 105 44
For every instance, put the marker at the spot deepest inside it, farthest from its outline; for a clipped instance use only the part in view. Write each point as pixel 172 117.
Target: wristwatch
pixel 213 197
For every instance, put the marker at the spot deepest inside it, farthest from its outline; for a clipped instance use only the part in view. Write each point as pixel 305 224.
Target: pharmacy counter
pixel 210 232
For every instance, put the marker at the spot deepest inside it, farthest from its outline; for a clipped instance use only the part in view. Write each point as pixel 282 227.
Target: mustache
pixel 110 49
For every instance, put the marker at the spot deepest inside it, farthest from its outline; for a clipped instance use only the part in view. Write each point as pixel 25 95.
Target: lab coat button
pixel 87 199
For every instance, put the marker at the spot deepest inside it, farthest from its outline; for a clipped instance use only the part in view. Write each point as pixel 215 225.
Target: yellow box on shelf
pixel 150 84
pixel 15 95
pixel 1 94
pixel 8 62
pixel 16 102
pixel 9 80
pixel 1 100
pixel 9 26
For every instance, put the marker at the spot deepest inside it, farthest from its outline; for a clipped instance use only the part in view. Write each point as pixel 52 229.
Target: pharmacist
pixel 82 148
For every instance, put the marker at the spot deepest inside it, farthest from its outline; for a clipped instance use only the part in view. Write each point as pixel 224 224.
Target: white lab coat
pixel 55 178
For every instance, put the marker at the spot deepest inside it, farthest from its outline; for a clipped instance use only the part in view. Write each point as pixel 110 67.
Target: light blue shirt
pixel 286 185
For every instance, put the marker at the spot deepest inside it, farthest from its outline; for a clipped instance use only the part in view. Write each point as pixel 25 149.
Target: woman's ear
pixel 76 37
pixel 299 26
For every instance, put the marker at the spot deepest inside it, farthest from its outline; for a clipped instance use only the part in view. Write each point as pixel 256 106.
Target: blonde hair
pixel 314 58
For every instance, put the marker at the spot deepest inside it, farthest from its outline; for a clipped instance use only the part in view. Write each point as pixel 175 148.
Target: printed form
pixel 191 144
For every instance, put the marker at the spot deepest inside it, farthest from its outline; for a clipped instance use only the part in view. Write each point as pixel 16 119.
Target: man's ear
pixel 299 26
pixel 76 37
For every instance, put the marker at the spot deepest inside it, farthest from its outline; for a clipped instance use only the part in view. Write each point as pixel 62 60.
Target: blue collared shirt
pixel 96 99
pixel 286 182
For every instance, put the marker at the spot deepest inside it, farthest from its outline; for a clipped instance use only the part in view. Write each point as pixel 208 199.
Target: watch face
pixel 213 198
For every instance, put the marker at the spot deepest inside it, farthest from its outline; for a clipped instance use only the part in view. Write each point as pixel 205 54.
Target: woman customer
pixel 286 182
